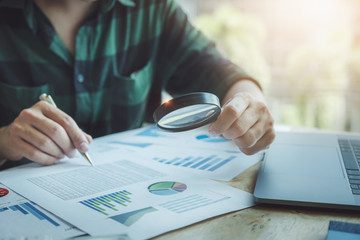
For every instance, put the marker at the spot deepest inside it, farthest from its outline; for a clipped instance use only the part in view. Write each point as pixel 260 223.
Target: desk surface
pixel 263 222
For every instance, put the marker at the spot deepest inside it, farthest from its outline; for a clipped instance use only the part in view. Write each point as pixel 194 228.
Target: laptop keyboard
pixel 350 151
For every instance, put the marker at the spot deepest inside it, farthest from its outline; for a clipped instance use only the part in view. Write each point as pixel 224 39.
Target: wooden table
pixel 263 221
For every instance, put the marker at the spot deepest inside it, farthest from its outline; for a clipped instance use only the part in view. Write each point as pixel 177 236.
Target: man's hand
pixel 245 119
pixel 43 134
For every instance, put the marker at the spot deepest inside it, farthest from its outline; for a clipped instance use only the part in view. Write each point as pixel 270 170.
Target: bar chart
pixel 20 217
pixel 27 208
pixel 206 163
pixel 109 202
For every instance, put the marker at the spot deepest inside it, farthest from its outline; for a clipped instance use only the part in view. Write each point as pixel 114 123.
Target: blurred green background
pixel 305 53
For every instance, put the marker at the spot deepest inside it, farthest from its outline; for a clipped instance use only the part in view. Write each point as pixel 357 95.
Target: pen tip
pixel 87 157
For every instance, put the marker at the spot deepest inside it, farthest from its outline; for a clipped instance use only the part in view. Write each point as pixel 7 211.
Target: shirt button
pixel 80 78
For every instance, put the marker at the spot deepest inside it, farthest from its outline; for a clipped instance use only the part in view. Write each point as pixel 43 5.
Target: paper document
pixel 195 151
pixel 23 218
pixel 217 165
pixel 124 193
pixel 197 138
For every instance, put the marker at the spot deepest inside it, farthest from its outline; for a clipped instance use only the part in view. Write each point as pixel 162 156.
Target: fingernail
pixel 212 132
pixel 91 138
pixel 72 154
pixel 84 147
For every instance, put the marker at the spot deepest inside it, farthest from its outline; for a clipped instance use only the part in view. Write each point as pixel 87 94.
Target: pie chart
pixel 3 192
pixel 167 188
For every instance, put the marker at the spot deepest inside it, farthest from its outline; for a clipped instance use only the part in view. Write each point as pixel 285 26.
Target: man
pixel 106 64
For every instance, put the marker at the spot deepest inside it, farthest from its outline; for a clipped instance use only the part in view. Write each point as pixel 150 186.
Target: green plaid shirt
pixel 127 53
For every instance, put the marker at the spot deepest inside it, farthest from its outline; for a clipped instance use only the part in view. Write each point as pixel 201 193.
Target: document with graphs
pixel 123 193
pixel 23 219
pixel 195 151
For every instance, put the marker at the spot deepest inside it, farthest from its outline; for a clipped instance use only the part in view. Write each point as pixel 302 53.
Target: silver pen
pixel 48 98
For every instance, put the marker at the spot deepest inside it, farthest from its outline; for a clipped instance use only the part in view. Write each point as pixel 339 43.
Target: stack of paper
pixel 145 182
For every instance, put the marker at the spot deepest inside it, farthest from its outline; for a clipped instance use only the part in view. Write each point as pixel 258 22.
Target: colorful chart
pixel 167 188
pixel 108 202
pixel 3 192
pixel 130 218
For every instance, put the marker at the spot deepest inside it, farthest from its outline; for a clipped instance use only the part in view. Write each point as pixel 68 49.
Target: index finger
pixel 231 111
pixel 76 135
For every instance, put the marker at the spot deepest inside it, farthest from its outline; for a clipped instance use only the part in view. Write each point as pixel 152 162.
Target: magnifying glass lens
pixel 187 112
pixel 188 116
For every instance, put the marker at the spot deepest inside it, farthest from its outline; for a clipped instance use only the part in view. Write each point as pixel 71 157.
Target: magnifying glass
pixel 187 112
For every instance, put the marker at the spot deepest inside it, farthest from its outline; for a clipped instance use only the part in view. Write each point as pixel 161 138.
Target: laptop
pixel 313 169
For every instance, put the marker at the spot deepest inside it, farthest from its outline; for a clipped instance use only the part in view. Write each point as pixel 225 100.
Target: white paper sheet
pixel 22 218
pixel 198 138
pixel 217 165
pixel 124 194
pixel 195 151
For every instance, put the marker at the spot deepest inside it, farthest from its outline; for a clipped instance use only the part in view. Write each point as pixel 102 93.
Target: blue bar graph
pixel 221 163
pixel 192 161
pixel 3 209
pixel 182 161
pixel 209 163
pixel 40 215
pixel 18 208
pixel 172 161
pixel 202 162
pixel 108 202
pixel 28 208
